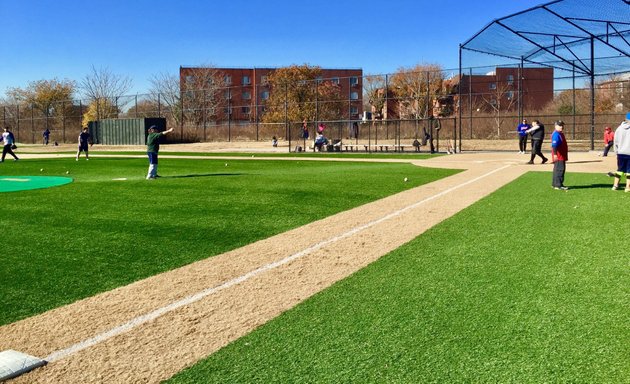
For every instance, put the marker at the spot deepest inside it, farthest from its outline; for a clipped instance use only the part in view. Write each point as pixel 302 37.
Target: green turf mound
pixel 23 183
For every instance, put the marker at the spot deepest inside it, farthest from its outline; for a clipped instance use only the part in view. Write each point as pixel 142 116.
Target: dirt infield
pixel 150 330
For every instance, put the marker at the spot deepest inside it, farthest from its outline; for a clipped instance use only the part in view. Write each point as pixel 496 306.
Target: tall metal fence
pixel 392 109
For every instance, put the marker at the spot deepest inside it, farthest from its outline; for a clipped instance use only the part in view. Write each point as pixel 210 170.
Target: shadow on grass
pixel 200 175
pixel 592 186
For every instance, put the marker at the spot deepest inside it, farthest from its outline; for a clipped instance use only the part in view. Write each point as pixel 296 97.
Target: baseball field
pixel 364 269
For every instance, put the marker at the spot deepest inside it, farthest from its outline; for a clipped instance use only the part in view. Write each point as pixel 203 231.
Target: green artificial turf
pixel 529 285
pixel 69 242
pixel 333 155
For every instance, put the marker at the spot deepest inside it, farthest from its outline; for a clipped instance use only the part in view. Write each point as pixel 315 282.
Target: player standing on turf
pixel 153 147
pixel 84 140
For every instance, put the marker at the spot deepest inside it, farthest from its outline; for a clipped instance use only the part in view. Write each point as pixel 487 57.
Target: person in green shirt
pixel 153 147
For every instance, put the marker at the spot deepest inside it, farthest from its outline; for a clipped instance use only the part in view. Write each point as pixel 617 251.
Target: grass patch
pixel 95 234
pixel 528 285
pixel 332 155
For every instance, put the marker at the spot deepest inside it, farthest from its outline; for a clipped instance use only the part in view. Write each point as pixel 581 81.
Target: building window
pixel 354 95
pixel 247 95
pixel 493 102
pixel 227 111
pixel 509 95
pixel 227 95
pixel 510 79
pixel 246 80
pixel 354 81
pixel 227 79
pixel 335 80
pixel 245 110
pixel 264 95
pixel 264 80
pixel 493 86
pixel 190 79
pixel 354 110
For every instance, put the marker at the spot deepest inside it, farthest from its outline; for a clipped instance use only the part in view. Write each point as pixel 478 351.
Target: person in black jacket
pixel 537 132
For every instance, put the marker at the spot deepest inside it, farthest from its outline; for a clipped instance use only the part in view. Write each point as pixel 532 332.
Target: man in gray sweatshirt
pixel 622 147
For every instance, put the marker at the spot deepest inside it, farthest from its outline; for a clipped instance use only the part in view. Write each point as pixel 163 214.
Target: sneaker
pixel 150 177
pixel 563 188
pixel 611 174
pixel 545 160
pixel 614 187
pixel 77 159
pixel 16 159
pixel 530 162
pixel 627 190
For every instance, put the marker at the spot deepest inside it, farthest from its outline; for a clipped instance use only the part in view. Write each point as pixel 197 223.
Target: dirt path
pixel 150 330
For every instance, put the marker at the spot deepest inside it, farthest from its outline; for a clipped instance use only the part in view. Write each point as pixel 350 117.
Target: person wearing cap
pixel 609 140
pixel 537 131
pixel 153 147
pixel 622 147
pixel 84 140
pixel 522 136
pixel 559 155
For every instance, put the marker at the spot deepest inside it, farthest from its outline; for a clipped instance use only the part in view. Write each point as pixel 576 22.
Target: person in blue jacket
pixel 559 156
pixel 522 136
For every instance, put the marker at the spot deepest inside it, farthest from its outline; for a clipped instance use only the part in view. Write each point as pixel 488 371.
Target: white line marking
pixel 11 179
pixel 60 354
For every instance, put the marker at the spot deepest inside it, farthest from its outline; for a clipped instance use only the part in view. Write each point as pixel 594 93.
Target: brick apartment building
pixel 246 89
pixel 502 89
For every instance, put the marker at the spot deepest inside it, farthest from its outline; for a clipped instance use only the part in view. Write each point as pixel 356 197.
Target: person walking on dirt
pixel 9 144
pixel 46 136
pixel 537 132
pixel 559 156
pixel 609 140
pixel 522 136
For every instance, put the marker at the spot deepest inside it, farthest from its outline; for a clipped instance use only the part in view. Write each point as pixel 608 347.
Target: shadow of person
pixel 200 175
pixel 591 186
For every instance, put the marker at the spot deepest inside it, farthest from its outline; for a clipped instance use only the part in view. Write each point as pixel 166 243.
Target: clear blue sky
pixel 45 39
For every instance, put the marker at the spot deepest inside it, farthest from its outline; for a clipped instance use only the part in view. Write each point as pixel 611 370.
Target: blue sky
pixel 63 39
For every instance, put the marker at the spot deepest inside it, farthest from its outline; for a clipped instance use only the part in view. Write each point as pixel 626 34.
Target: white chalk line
pixel 60 354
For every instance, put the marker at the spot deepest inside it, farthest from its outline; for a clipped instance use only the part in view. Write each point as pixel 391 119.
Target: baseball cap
pixel 153 127
pixel 560 123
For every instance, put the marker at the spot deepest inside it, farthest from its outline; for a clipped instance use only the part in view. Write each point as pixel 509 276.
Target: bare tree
pixel 165 92
pixel 202 94
pixel 501 98
pixel 101 85
pixel 374 90
pixel 415 88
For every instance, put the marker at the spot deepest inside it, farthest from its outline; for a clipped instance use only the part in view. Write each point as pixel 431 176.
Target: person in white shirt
pixel 9 143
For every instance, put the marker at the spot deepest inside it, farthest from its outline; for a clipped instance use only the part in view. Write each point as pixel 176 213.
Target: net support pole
pixel 592 75
pixel 459 104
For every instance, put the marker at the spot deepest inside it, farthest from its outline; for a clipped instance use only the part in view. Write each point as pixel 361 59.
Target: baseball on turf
pixel 41 170
pixel 405 179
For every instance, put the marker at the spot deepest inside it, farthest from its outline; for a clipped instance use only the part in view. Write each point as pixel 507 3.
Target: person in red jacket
pixel 609 140
pixel 559 156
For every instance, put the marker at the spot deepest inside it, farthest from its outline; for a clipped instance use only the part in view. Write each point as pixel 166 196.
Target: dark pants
pixel 607 148
pixel 7 149
pixel 522 143
pixel 537 150
pixel 558 173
